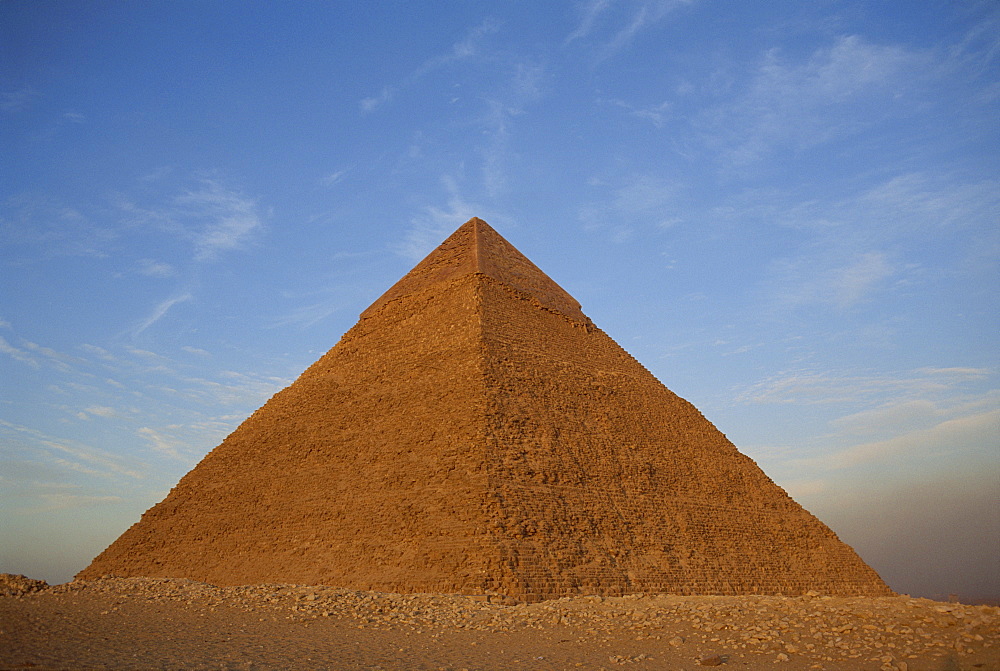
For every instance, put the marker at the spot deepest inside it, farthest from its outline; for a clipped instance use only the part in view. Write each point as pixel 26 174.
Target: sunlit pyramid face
pixel 476 433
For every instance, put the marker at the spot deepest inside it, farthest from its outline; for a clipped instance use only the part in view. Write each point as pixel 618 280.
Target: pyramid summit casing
pixel 475 433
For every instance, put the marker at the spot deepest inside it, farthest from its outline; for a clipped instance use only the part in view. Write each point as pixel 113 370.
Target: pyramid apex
pixel 476 248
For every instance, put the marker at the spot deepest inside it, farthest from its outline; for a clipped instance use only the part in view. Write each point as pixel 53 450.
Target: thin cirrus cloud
pixel 70 454
pixel 36 355
pixel 152 268
pixel 655 114
pixel 62 501
pixel 896 207
pixel 164 444
pixel 227 219
pixel 632 204
pixel 37 227
pixel 588 18
pixel 222 387
pixel 18 354
pixel 159 311
pixel 213 219
pixel 433 224
pixel 184 443
pixel 468 47
pixel 835 91
pixel 839 282
pixel 810 387
pixel 210 217
pixel 846 262
pixel 640 16
pixel 98 411
pixel 518 83
pixel 333 178
pixel 429 228
pixel 522 87
pixel 941 201
pixel 18 100
pixel 963 435
pixel 372 103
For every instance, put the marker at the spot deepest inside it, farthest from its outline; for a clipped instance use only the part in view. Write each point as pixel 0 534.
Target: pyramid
pixel 476 433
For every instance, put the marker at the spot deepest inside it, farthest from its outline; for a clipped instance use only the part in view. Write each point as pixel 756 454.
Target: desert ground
pixel 145 623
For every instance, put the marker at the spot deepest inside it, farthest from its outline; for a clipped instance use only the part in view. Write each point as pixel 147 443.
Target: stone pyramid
pixel 475 433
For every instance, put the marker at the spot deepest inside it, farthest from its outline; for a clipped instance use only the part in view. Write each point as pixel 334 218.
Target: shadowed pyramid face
pixel 475 433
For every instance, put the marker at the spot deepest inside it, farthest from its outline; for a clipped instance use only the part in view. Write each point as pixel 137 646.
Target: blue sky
pixel 787 211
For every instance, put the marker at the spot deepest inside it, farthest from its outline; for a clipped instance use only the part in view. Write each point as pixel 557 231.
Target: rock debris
pixel 49 625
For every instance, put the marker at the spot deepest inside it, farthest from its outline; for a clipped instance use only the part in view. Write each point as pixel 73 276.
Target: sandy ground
pixel 141 623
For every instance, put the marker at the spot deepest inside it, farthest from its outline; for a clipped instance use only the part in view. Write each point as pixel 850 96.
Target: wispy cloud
pixel 920 201
pixel 65 501
pixel 655 114
pixel 163 392
pixel 881 241
pixel 647 14
pixel 151 268
pixel 964 435
pixel 240 389
pixel 35 355
pixel 101 411
pixel 315 310
pixel 639 200
pixel 620 28
pixel 18 354
pixel 227 219
pixel 842 283
pixel 509 101
pixel 31 222
pixel 211 217
pixel 977 52
pixel 171 447
pixel 99 352
pixel 589 12
pixel 433 224
pixel 891 416
pixel 145 354
pixel 187 442
pixel 333 177
pixel 901 207
pixel 811 387
pixel 957 373
pixel 468 46
pixel 53 357
pixel 159 311
pixel 464 49
pixel 81 458
pixel 517 81
pixel 372 103
pixel 836 91
pixel 18 100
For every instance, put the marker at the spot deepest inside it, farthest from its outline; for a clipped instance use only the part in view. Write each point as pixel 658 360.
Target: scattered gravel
pixel 140 623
